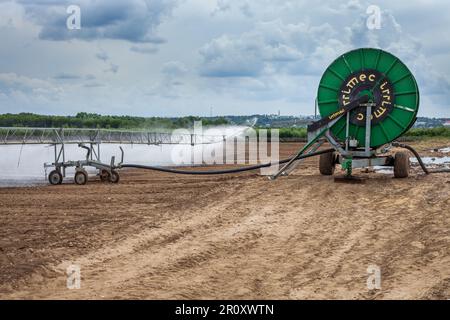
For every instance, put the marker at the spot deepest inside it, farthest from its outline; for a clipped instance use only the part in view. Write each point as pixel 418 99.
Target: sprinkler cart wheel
pixel 105 176
pixel 81 177
pixel 327 163
pixel 115 177
pixel 55 177
pixel 401 165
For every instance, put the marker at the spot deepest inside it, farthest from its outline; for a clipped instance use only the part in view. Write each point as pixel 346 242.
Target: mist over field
pixel 24 164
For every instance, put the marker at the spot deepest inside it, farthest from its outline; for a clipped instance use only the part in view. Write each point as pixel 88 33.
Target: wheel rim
pixel 80 178
pixel 392 86
pixel 104 175
pixel 55 178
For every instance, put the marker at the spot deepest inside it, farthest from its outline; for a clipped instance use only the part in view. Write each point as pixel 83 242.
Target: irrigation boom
pixel 17 135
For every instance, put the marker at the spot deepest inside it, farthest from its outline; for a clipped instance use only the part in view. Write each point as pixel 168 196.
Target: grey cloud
pixel 174 68
pixel 222 6
pixel 66 76
pixel 113 68
pixel 131 20
pixel 246 10
pixel 93 85
pixel 144 49
pixel 392 38
pixel 73 76
pixel 102 56
pixel 228 6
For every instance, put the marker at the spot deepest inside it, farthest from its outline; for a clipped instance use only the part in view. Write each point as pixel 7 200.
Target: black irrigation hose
pixel 213 172
pixel 416 154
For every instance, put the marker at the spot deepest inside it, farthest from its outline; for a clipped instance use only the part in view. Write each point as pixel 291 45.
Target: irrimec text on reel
pixel 367 98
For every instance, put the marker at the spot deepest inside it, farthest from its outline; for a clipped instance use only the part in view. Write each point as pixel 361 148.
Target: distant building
pixel 421 124
pixel 447 123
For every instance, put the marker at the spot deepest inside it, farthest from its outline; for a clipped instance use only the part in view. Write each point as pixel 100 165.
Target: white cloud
pixel 13 81
pixel 272 46
pixel 174 68
pixel 102 55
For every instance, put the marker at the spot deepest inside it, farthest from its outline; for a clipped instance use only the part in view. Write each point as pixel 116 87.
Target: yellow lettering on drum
pixel 347 92
pixel 353 82
pixel 379 112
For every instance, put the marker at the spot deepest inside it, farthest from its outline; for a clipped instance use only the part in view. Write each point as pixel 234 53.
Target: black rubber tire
pixel 81 177
pixel 55 177
pixel 115 177
pixel 105 176
pixel 401 165
pixel 327 163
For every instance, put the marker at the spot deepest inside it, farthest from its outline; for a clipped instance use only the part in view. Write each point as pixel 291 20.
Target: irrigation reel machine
pixel 367 99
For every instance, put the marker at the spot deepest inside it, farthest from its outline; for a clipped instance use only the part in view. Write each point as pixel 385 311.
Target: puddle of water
pixel 384 169
pixel 432 160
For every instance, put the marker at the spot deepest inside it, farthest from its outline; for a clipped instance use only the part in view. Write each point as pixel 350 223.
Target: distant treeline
pixel 429 132
pixel 287 133
pixel 300 133
pixel 92 120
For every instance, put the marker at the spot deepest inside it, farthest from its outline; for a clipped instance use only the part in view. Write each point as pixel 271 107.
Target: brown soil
pixel 241 236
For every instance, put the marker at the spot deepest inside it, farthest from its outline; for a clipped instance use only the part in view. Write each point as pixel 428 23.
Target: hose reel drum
pixel 389 84
pixel 392 104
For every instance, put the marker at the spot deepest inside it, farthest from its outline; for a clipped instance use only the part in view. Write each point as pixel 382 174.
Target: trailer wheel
pixel 115 177
pixel 81 177
pixel 55 177
pixel 104 175
pixel 401 165
pixel 327 163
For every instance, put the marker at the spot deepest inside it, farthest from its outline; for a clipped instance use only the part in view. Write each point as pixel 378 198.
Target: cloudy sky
pixel 191 57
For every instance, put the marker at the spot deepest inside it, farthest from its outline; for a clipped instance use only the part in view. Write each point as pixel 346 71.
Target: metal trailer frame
pixel 350 156
pixel 105 171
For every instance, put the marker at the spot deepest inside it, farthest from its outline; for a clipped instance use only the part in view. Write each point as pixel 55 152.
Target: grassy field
pixel 412 134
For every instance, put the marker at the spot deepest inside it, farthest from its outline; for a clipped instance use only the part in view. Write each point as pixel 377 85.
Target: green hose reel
pixel 388 83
